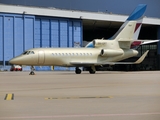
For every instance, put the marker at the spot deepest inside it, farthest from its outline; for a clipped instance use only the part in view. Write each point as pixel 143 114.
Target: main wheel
pixel 91 71
pixel 78 71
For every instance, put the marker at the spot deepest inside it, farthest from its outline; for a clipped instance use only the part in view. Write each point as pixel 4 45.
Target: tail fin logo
pixel 137 26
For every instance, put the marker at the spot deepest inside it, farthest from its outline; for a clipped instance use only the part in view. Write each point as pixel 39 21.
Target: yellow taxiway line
pixel 9 97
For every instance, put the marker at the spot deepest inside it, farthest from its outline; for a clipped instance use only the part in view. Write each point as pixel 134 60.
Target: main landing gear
pixel 78 71
pixel 92 70
pixel 32 71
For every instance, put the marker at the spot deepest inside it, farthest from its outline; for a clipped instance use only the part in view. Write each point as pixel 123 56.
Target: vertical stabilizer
pixel 129 31
pixel 125 35
pixel 137 16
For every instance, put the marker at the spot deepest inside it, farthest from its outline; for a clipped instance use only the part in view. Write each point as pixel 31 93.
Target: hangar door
pixel 57 32
pixel 16 35
pixel 41 57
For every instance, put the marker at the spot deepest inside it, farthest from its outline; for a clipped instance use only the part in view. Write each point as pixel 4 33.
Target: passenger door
pixel 41 57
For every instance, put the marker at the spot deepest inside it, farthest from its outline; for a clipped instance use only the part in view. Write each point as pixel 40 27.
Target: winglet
pixel 141 58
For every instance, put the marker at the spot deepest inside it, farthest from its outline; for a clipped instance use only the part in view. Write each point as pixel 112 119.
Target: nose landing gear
pixel 32 71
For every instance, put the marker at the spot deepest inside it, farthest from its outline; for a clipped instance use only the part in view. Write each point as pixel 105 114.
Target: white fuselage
pixel 66 56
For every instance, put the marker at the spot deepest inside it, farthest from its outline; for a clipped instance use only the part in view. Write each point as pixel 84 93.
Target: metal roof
pixel 53 12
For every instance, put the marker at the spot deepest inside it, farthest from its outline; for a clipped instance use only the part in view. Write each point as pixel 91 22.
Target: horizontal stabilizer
pixel 137 43
pixel 148 41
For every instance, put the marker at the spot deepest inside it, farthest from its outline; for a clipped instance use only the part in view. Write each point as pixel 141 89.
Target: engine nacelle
pixel 111 53
pixel 99 43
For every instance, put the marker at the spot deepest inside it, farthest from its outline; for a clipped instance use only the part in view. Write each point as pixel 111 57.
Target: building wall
pixel 21 32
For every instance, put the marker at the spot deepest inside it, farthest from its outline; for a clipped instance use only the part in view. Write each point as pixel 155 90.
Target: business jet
pixel 103 51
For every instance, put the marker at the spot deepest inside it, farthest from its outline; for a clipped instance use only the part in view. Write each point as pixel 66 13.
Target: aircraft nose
pixel 14 61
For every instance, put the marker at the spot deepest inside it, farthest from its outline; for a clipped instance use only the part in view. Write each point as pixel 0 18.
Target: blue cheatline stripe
pixel 138 12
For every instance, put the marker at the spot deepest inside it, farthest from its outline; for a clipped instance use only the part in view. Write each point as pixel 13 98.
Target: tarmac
pixel 108 95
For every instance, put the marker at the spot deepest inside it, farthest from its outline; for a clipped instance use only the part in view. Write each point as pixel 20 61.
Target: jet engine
pixel 99 43
pixel 111 53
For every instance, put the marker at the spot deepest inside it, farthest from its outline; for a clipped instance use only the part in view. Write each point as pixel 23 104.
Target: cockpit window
pixel 25 53
pixel 31 52
pixel 28 52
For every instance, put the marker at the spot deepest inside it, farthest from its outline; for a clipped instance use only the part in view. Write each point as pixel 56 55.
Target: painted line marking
pixel 9 97
pixel 78 116
pixel 78 97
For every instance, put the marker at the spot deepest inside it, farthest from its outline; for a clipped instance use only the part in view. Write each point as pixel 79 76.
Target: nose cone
pixel 15 61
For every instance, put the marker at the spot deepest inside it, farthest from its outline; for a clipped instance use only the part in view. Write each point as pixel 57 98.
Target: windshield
pixel 28 52
pixel 25 53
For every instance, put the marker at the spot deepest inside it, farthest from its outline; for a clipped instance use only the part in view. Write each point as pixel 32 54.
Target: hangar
pixel 23 27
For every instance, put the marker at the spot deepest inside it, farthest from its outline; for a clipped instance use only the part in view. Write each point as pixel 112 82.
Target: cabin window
pixel 62 54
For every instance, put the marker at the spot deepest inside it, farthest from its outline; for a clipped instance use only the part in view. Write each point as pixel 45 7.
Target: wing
pixel 76 63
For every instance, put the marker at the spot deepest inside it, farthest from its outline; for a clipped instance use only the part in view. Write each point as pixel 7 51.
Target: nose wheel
pixel 78 71
pixel 32 71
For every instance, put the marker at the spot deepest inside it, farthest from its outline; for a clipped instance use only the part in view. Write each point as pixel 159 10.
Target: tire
pixel 78 71
pixel 91 71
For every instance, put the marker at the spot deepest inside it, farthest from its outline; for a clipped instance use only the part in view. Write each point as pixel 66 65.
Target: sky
pixel 111 6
